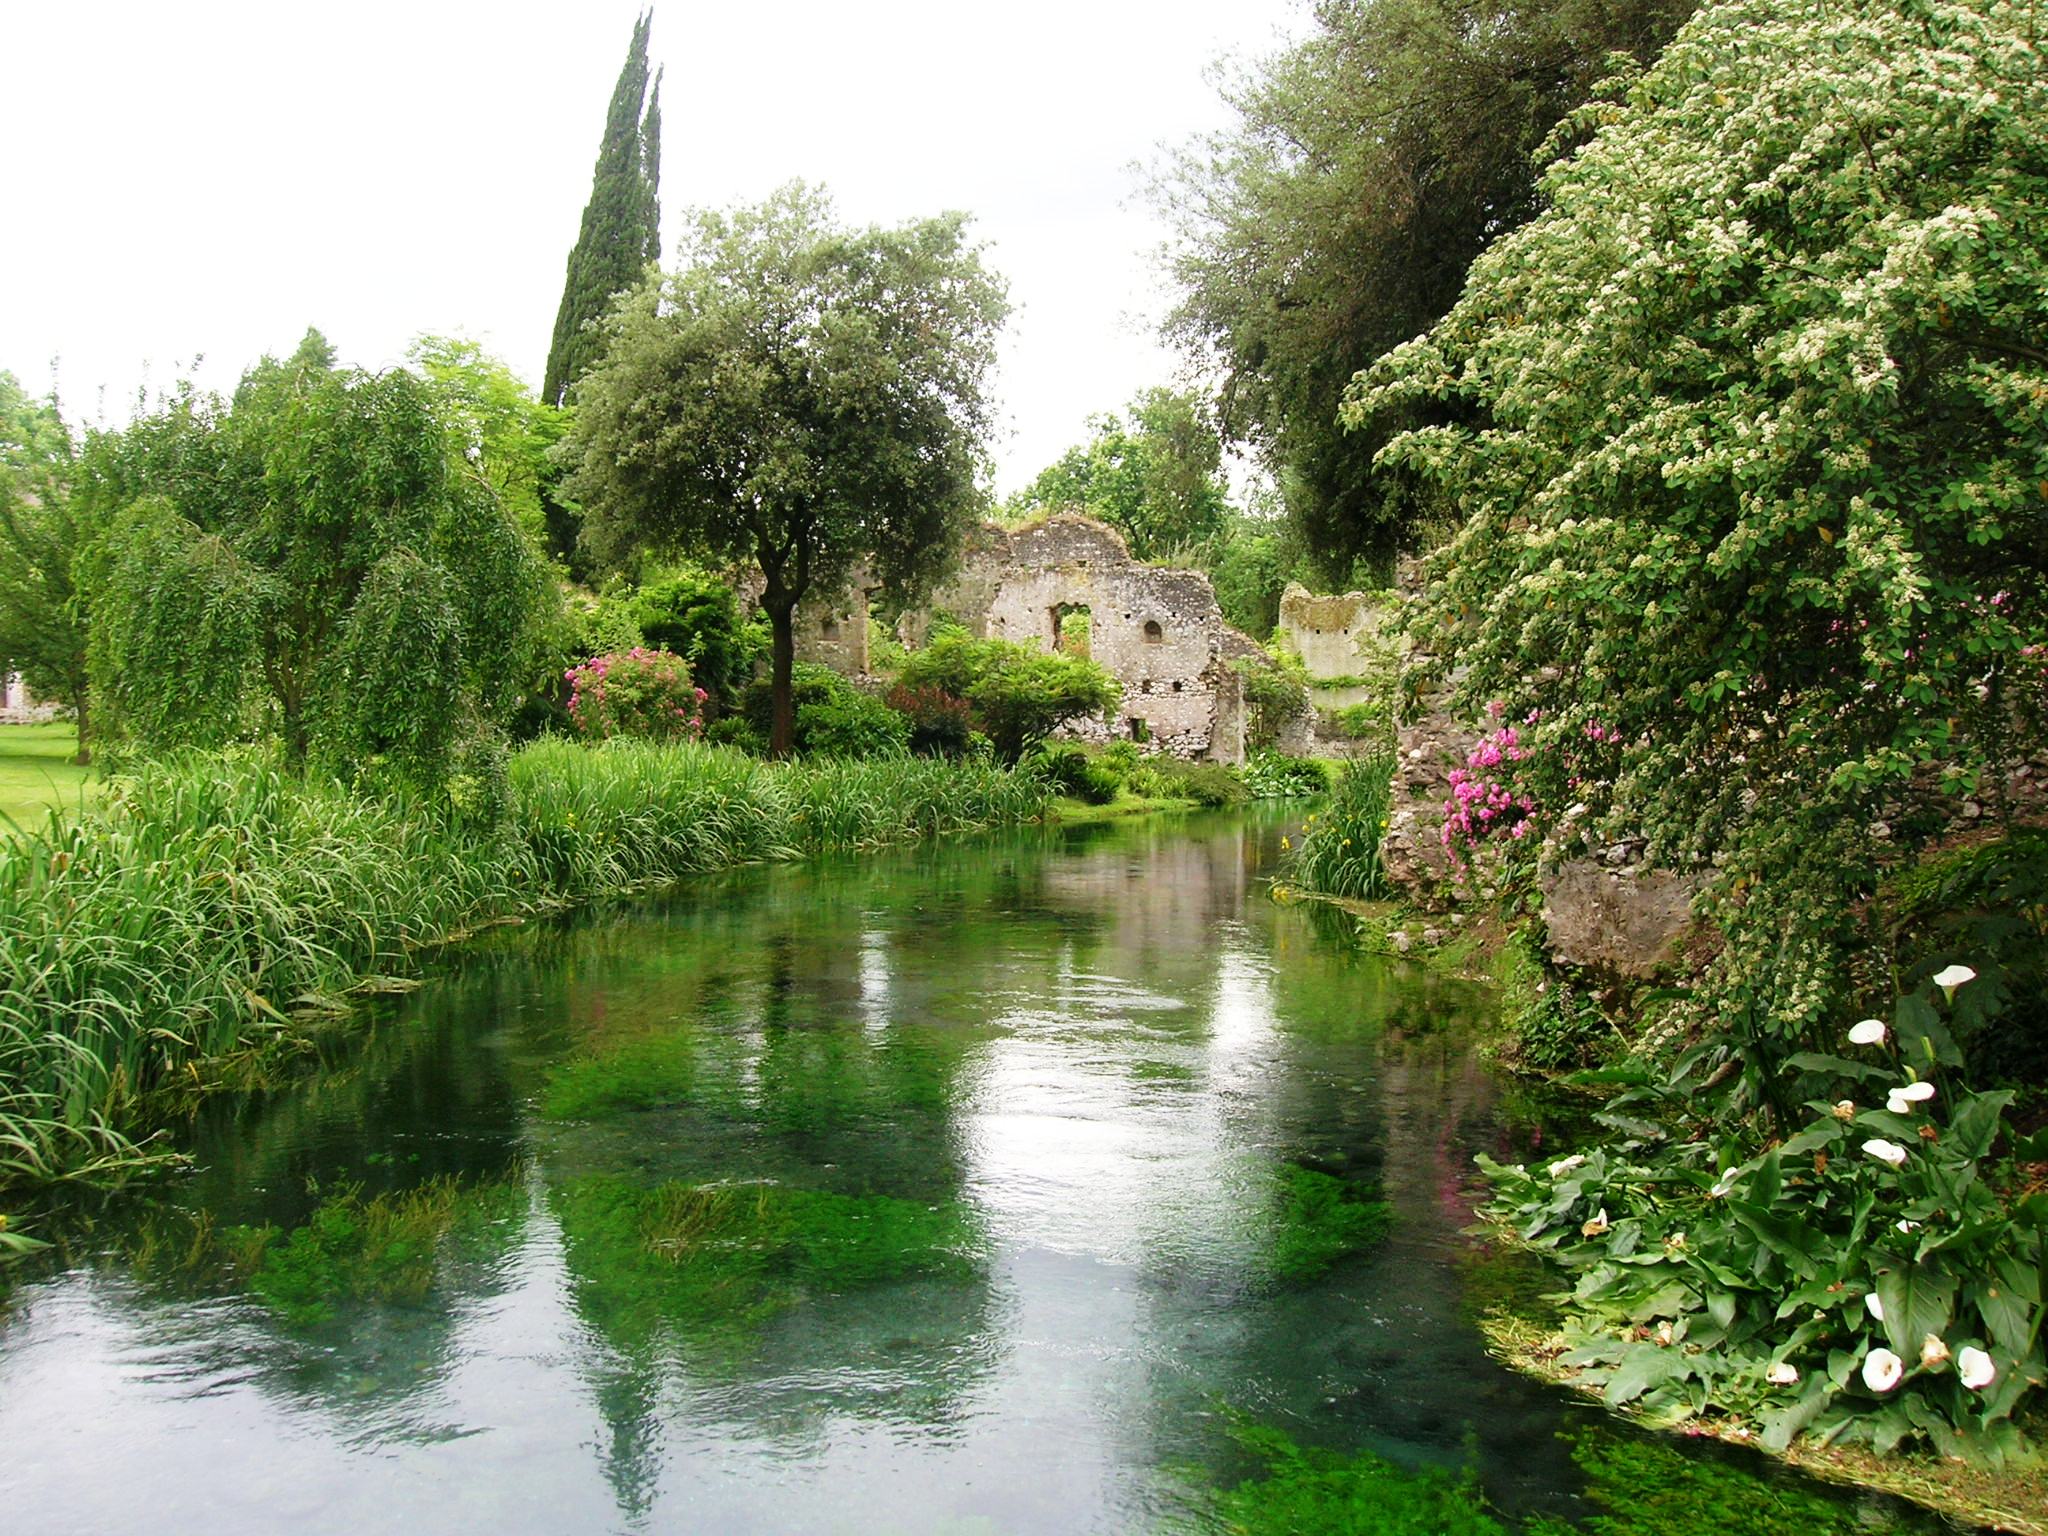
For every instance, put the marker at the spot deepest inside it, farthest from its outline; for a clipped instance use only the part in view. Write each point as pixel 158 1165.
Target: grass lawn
pixel 36 771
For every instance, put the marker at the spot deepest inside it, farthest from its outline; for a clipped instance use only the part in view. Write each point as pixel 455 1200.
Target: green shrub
pixel 1358 722
pixel 1019 694
pixel 1340 851
pixel 1860 1279
pixel 1209 784
pixel 833 717
pixel 737 731
pixel 1269 776
pixel 852 724
pixel 697 616
pixel 1072 771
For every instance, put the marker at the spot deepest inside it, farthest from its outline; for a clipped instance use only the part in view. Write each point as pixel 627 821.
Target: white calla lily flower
pixel 1873 1306
pixel 1975 1368
pixel 1886 1151
pixel 1933 1351
pixel 1949 977
pixel 1869 1032
pixel 1565 1165
pixel 1783 1374
pixel 1882 1370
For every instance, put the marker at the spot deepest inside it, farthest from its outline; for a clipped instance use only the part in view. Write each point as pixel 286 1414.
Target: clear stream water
pixel 989 1187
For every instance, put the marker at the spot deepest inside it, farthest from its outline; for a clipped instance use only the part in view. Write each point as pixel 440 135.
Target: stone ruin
pixel 1159 632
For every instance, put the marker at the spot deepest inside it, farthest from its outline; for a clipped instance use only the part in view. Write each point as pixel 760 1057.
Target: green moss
pixel 1320 1220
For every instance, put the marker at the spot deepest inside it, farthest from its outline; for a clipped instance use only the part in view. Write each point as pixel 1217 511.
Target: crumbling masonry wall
pixel 1159 632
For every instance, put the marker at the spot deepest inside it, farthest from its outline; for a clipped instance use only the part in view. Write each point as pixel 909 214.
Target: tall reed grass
pixel 1340 854
pixel 188 917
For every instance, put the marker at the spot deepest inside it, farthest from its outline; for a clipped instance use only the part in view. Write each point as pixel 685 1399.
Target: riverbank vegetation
pixel 212 903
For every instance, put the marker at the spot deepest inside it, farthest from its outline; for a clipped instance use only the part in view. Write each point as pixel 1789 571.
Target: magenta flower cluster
pixel 1486 801
pixel 635 693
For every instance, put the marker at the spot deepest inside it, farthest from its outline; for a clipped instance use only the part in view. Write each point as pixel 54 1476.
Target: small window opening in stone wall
pixel 1140 731
pixel 1071 627
pixel 829 630
pixel 1176 685
pixel 1154 635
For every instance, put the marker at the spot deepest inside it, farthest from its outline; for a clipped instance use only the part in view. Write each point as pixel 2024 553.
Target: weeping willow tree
pixel 314 561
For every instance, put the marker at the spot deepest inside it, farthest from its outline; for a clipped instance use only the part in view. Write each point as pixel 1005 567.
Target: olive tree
pixel 796 396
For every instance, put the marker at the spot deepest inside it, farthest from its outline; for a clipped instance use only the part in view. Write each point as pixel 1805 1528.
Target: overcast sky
pixel 203 180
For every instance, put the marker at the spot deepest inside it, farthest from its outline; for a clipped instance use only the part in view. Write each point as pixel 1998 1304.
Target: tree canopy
pixel 797 396
pixel 1152 473
pixel 1752 458
pixel 1368 165
pixel 316 558
pixel 621 229
pixel 42 608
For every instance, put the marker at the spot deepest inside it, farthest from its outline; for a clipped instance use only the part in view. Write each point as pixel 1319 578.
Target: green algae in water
pixel 803 1081
pixel 1321 1220
pixel 393 1247
pixel 1645 1487
pixel 1305 1491
pixel 713 1262
pixel 1636 1485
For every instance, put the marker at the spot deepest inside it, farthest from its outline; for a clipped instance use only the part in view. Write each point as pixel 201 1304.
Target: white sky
pixel 202 180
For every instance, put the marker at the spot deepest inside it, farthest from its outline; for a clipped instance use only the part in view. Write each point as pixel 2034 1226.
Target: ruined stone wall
pixel 1159 632
pixel 830 628
pixel 1325 631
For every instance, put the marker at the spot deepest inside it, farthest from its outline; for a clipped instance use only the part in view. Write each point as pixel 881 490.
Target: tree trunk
pixel 781 613
pixel 82 703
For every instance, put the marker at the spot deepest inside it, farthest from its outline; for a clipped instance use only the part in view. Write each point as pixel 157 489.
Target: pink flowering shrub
pixel 1488 799
pixel 1494 798
pixel 640 693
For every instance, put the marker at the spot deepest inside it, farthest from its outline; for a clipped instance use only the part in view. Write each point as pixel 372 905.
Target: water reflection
pixel 973 1188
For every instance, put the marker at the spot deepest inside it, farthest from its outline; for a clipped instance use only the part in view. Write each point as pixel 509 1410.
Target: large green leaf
pixel 1918 1300
pixel 1643 1367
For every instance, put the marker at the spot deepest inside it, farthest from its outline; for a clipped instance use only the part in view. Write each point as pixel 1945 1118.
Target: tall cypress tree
pixel 621 230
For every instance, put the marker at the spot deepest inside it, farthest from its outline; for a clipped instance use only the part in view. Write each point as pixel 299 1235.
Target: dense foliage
pixel 621 229
pixel 315 558
pixel 1746 431
pixel 43 614
pixel 797 396
pixel 1753 458
pixel 697 615
pixel 1017 692
pixel 1368 165
pixel 213 897
pixel 1860 1280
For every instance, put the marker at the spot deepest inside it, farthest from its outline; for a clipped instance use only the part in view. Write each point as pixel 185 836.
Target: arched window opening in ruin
pixel 1140 731
pixel 1072 625
pixel 829 630
pixel 1154 635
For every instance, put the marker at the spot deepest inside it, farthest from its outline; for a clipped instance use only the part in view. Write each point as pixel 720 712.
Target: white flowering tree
pixel 1749 432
